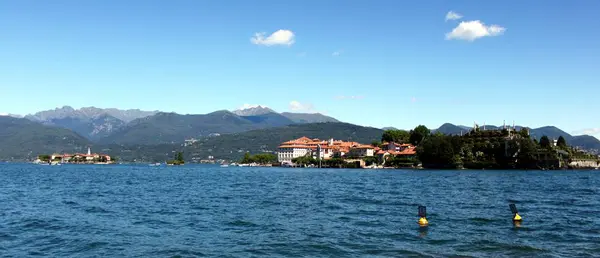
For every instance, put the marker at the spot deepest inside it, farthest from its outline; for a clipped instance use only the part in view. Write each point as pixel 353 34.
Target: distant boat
pixel 155 165
pixel 224 165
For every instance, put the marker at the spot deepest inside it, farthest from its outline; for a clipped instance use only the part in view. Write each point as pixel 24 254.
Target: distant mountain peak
pixel 11 115
pixel 252 110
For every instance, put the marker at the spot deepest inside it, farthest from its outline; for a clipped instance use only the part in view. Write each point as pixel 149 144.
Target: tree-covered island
pixel 503 148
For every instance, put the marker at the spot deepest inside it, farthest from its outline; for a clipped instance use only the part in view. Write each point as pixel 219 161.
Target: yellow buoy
pixel 513 209
pixel 517 217
pixel 423 216
pixel 423 221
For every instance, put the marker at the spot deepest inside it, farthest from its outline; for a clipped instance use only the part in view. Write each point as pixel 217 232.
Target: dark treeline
pixel 495 149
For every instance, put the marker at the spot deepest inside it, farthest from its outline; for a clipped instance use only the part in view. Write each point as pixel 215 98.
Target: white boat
pixel 224 165
pixel 155 165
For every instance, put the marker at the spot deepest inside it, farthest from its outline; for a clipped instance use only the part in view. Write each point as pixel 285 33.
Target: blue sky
pixel 376 63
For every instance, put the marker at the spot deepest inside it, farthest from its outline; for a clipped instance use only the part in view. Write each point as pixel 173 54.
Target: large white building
pixel 316 148
pixel 289 152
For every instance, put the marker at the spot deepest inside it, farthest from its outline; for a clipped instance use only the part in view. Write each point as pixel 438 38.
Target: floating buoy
pixel 423 216
pixel 516 216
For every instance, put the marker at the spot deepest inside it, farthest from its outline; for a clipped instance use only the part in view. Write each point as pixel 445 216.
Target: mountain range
pixel 68 129
pixel 134 126
pixel 90 122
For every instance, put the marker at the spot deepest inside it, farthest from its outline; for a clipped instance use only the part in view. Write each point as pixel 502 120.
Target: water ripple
pixel 198 211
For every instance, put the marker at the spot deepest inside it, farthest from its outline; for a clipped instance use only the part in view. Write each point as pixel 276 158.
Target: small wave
pixel 34 224
pixel 167 212
pixel 176 253
pixel 344 218
pixel 96 209
pixel 92 246
pixel 241 223
pixel 441 241
pixel 487 245
pixel 363 200
pixel 150 222
pixel 72 203
pixel 394 253
pixel 5 236
pixel 483 220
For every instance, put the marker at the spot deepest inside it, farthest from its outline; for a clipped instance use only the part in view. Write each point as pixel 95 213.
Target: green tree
pixel 264 158
pixel 44 157
pixel 334 163
pixel 305 160
pixel 247 159
pixel 561 143
pixel 179 157
pixel 527 155
pixel 376 143
pixel 371 160
pixel 545 142
pixel 399 136
pixel 418 134
pixel 437 152
pixel 524 132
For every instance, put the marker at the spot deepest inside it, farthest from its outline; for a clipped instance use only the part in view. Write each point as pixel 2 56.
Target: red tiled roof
pixel 299 146
pixel 364 147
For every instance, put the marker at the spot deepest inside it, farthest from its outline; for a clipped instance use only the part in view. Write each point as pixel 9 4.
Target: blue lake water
pixel 142 211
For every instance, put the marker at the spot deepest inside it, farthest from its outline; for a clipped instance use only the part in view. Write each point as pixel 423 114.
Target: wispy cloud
pixel 341 97
pixel 337 53
pixel 296 106
pixel 302 54
pixel 280 37
pixel 451 16
pixel 588 131
pixel 3 114
pixel 413 100
pixel 472 30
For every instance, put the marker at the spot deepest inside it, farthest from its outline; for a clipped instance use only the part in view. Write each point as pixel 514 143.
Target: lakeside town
pixel 501 148
pixel 76 158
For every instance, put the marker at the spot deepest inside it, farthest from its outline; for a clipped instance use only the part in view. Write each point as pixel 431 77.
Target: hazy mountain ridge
pixel 307 118
pixel 90 122
pixel 174 128
pixel 127 115
pixel 21 138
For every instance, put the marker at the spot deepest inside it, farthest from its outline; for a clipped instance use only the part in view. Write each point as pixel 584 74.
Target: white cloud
pixel 413 99
pixel 3 114
pixel 337 53
pixel 472 30
pixel 280 37
pixel 589 131
pixel 451 15
pixel 301 107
